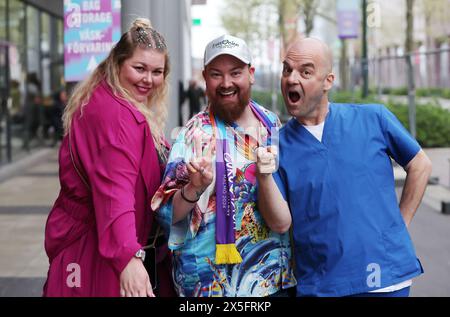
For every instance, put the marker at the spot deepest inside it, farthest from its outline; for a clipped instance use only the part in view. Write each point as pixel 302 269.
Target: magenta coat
pixel 90 236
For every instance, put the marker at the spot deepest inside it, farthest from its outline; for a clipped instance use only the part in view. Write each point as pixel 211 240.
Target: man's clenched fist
pixel 266 159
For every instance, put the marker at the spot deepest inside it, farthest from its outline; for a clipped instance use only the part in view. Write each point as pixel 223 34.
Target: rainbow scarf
pixel 226 251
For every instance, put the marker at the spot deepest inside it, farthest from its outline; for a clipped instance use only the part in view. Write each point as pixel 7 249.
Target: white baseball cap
pixel 227 44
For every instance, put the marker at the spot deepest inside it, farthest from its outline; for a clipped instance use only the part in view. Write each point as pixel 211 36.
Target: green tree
pixel 290 12
pixel 435 13
pixel 409 47
pixel 251 20
pixel 245 19
pixel 309 9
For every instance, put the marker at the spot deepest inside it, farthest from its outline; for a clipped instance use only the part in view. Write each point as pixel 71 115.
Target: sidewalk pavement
pixel 29 188
pixel 438 190
pixel 440 175
pixel 26 199
pixel 441 164
pixel 443 102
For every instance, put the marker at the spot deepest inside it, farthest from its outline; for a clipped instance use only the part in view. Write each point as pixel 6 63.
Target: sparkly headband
pixel 143 37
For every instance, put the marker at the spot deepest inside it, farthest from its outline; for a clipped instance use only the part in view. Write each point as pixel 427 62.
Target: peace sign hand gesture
pixel 200 167
pixel 200 170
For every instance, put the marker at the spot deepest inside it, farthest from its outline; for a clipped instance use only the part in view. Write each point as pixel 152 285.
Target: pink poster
pixel 91 28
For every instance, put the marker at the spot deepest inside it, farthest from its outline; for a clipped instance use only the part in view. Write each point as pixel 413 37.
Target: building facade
pixel 31 59
pixel 32 66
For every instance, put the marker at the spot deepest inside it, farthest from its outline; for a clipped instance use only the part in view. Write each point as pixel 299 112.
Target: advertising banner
pixel 348 18
pixel 91 28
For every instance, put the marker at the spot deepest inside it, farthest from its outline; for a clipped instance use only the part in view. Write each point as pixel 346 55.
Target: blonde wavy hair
pixel 141 34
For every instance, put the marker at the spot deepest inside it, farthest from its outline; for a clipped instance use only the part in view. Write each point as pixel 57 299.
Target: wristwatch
pixel 140 254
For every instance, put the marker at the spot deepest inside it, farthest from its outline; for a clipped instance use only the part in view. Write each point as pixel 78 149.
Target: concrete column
pixel 55 7
pixel 132 9
pixel 172 19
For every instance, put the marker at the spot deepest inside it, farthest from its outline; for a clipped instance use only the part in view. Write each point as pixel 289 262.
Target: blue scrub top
pixel 349 234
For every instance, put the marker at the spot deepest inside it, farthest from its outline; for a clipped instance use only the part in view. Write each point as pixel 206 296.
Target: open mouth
pixel 294 96
pixel 227 93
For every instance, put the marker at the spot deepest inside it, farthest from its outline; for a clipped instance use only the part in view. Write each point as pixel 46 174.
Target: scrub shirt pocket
pixel 400 254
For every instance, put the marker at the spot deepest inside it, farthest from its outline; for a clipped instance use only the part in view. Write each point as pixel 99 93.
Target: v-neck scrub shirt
pixel 349 234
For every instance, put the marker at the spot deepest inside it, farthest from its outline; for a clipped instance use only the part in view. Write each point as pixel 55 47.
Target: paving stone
pixel 21 287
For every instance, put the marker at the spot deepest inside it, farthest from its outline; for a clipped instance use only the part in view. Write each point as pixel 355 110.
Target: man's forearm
pixel 272 205
pixel 418 171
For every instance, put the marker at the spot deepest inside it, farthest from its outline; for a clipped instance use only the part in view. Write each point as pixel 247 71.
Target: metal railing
pixel 431 70
pixel 5 122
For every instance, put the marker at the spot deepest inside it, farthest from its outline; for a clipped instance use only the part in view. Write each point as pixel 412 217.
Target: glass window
pixel 36 67
pixel 17 39
pixel 2 20
pixel 57 56
pixel 60 68
pixel 45 51
pixel 3 50
pixel 33 40
pixel 17 22
pixel 60 36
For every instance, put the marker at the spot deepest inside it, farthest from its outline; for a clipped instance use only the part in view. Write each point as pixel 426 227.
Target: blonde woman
pixel 111 161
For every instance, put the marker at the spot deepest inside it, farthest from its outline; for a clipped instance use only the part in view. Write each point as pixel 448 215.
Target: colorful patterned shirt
pixel 266 266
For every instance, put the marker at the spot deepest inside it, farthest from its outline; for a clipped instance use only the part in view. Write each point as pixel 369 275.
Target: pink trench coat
pixel 90 238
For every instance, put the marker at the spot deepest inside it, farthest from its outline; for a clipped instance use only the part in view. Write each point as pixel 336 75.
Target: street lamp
pixel 364 62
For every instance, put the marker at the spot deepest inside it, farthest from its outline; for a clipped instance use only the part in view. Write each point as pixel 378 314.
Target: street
pixel 430 234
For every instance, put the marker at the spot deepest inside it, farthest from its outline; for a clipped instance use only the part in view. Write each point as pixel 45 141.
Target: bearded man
pixel 220 242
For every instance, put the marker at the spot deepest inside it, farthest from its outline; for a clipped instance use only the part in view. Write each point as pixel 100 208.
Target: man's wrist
pixel 191 193
pixel 263 176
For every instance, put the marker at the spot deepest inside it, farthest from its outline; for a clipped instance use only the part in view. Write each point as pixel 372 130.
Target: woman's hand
pixel 134 280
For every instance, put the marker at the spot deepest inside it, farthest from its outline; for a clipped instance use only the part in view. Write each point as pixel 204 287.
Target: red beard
pixel 230 112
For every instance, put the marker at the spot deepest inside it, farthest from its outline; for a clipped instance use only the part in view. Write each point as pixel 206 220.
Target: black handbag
pixel 150 262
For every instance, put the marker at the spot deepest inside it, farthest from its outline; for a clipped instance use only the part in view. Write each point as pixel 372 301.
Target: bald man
pixel 334 185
